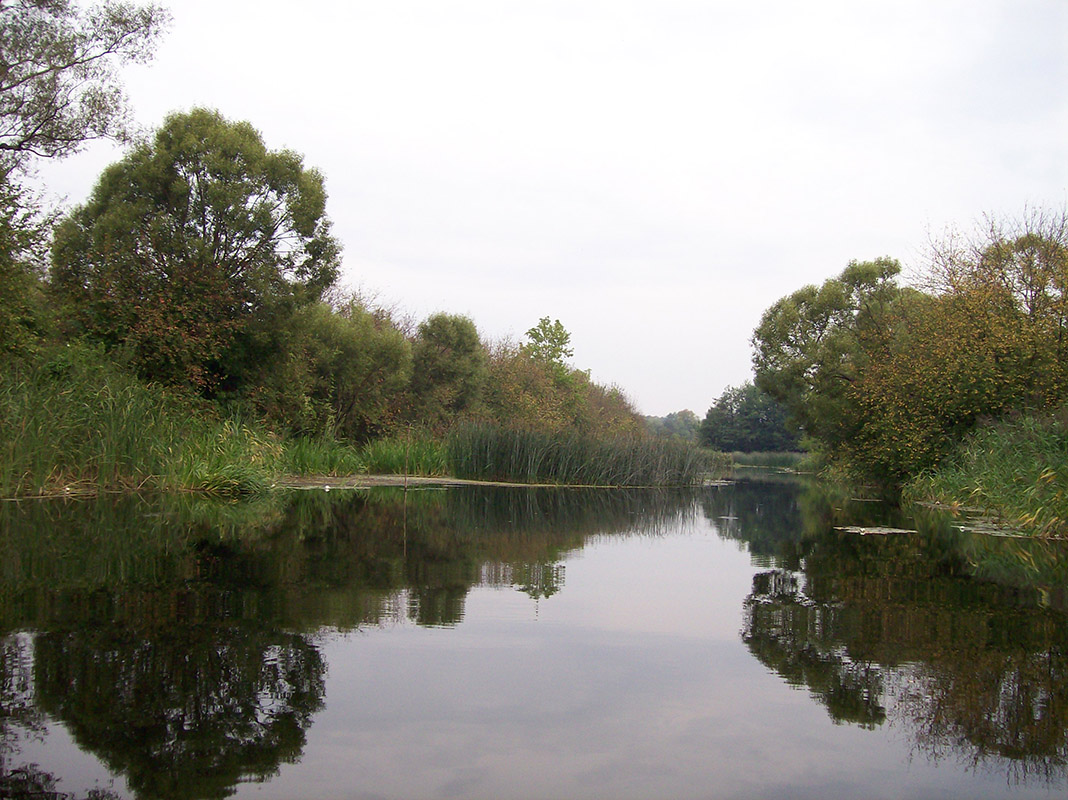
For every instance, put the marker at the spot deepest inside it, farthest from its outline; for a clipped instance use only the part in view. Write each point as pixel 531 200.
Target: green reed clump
pixel 773 460
pixel 226 457
pixel 409 453
pixel 72 421
pixel 321 455
pixel 491 452
pixel 1016 470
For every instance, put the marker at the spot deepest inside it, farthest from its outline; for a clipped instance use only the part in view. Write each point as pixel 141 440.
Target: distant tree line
pixel 743 419
pixel 746 419
pixel 678 424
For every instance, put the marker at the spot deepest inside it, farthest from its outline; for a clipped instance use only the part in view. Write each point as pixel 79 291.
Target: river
pixel 729 642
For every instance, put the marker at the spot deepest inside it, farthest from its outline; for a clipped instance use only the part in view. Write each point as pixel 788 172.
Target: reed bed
pixel 1016 470
pixel 410 453
pixel 321 455
pixel 490 452
pixel 72 423
pixel 770 460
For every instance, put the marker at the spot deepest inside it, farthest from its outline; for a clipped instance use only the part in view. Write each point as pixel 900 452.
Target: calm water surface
pixel 477 643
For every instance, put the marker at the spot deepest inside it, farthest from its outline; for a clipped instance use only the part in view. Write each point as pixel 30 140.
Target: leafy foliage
pixel 811 346
pixel 549 343
pixel 23 315
pixel 338 374
pixel 889 379
pixel 193 248
pixel 448 368
pixel 58 86
pixel 58 89
pixel 748 420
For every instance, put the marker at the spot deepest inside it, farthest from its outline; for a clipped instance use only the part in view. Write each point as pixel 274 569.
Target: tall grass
pixel 321 456
pixel 490 452
pixel 410 453
pixel 773 460
pixel 1016 469
pixel 72 421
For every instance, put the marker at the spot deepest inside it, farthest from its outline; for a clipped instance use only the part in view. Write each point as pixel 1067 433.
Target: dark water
pixel 478 643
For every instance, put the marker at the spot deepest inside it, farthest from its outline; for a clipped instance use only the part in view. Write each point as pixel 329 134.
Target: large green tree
pixel 890 379
pixel 449 368
pixel 340 373
pixel 812 346
pixel 193 250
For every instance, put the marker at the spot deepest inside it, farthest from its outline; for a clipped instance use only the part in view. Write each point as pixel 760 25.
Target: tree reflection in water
pixel 186 712
pixel 175 641
pixel 898 629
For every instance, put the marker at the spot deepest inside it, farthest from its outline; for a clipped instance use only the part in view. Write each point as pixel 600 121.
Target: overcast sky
pixel 652 173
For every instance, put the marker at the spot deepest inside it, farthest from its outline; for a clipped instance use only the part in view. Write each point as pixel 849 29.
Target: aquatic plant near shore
pixel 409 453
pixel 321 455
pixel 491 452
pixel 72 422
pixel 1016 470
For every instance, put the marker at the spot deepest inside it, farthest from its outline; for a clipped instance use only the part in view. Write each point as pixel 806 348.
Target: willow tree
pixel 58 65
pixel 194 250
pixel 59 88
pixel 813 345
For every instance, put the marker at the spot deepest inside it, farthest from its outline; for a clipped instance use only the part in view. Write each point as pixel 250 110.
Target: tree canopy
pixel 748 420
pixel 58 84
pixel 549 342
pixel 889 378
pixel 58 89
pixel 193 247
pixel 449 367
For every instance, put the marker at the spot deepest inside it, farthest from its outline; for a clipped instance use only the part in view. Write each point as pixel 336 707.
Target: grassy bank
pixel 1015 470
pixel 490 452
pixel 73 422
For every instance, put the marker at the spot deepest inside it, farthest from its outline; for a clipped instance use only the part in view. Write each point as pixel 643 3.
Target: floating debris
pixel 877 531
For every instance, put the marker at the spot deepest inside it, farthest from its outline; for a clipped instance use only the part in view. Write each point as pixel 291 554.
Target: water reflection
pixel 186 711
pixel 176 639
pixel 181 642
pixel 961 641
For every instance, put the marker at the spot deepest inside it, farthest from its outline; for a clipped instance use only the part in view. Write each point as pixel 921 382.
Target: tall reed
pixel 1016 469
pixel 321 455
pixel 408 453
pixel 73 421
pixel 491 452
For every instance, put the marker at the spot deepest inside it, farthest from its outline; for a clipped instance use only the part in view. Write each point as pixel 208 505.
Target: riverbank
pixel 1014 471
pixel 75 423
